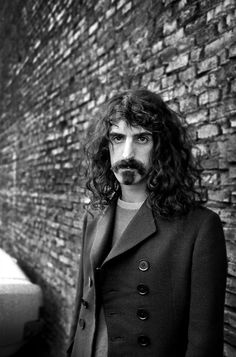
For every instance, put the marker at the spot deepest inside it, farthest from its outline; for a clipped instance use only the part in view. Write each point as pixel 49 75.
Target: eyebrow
pixel 137 134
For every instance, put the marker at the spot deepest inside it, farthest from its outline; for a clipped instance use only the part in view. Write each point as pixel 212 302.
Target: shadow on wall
pixel 36 348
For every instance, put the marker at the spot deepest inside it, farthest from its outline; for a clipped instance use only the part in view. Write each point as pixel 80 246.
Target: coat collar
pixel 101 235
pixel 139 229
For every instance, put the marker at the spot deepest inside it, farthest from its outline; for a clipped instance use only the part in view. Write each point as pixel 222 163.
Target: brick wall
pixel 59 62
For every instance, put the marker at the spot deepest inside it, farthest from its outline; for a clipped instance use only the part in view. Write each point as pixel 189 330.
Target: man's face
pixel 130 150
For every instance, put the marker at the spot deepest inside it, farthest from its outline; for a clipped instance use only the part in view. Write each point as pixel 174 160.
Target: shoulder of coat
pixel 202 212
pixel 92 214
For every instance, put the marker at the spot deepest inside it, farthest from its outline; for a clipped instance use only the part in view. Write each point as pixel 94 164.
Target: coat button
pixel 84 303
pixel 142 314
pixel 144 265
pixel 143 289
pixel 82 324
pixel 143 341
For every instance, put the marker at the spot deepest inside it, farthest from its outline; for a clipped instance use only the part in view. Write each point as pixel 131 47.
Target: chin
pixel 129 182
pixel 129 178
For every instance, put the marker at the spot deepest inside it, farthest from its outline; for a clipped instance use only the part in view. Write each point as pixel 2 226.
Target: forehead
pixel 122 127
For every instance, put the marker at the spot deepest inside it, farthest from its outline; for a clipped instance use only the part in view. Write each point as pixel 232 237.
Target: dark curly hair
pixel 174 171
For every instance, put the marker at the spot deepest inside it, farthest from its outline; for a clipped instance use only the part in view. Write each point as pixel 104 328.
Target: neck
pixel 133 193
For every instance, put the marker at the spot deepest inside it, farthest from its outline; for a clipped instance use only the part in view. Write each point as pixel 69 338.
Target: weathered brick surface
pixel 59 62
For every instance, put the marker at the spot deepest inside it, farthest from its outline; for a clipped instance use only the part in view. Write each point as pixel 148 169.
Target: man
pixel 153 262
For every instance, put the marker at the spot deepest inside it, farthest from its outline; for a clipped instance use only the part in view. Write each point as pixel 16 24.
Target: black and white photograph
pixel 117 178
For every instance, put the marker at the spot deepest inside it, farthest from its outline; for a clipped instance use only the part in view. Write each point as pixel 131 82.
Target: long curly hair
pixel 174 171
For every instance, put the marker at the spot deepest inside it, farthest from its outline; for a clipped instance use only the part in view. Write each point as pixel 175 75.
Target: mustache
pixel 129 164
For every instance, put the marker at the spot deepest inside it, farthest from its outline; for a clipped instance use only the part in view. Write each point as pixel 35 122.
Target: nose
pixel 128 150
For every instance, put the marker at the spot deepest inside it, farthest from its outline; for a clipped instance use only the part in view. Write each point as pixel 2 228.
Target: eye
pixel 143 139
pixel 116 138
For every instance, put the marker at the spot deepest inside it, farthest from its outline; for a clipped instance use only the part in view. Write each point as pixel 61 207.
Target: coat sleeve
pixel 79 293
pixel 208 281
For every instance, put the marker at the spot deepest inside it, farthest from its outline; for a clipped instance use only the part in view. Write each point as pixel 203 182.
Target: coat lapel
pixel 102 235
pixel 140 228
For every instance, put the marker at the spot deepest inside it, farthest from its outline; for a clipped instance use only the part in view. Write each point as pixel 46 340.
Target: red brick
pixel 230 299
pixel 158 72
pixel 232 172
pixel 230 236
pixel 167 55
pixel 210 164
pixel 197 117
pixel 157 47
pixel 188 104
pixel 207 64
pixel 168 81
pixel 199 85
pixel 229 335
pixel 233 85
pixel 219 195
pixel 229 4
pixel 121 3
pixel 180 90
pixel 229 351
pixel 211 95
pixel 154 86
pixel 220 43
pixel 231 148
pixel 230 19
pixel 169 27
pixel 195 54
pixel 174 38
pixel 202 149
pixel 177 63
pixel 167 95
pixel 231 281
pixel 230 317
pixel 126 8
pixel 232 51
pixel 209 179
pixel 207 131
pixel 233 197
pixel 233 122
pixel 188 75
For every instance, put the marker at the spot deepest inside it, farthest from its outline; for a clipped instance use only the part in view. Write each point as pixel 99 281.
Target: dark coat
pixel 162 286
